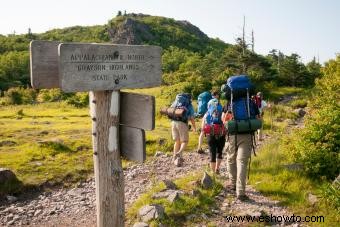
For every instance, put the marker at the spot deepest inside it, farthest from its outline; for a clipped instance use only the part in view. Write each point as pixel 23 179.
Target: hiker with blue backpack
pixel 241 130
pixel 180 112
pixel 214 129
pixel 202 107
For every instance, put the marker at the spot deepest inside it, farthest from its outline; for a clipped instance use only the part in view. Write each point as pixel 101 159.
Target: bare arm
pixel 193 123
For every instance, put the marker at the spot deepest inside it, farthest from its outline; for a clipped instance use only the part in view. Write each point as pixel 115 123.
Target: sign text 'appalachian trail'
pixel 85 67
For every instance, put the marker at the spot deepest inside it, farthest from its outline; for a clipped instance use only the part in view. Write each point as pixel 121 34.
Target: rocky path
pixel 76 206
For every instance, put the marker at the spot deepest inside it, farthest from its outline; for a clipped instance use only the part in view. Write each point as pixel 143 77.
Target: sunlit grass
pixel 186 205
pixel 49 142
pixel 26 126
pixel 270 176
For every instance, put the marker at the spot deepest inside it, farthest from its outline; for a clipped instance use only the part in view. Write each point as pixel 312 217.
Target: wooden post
pixel 103 69
pixel 109 177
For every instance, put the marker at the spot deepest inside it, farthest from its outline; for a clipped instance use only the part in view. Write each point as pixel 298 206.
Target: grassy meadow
pixel 50 143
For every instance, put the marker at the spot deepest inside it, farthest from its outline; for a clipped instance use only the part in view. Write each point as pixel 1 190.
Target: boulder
pixel 169 184
pixel 149 212
pixel 6 175
pixel 173 196
pixel 313 199
pixel 336 183
pixel 300 112
pixel 7 143
pixel 206 181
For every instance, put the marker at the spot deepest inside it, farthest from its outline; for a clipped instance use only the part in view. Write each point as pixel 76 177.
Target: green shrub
pixel 317 146
pixel 80 99
pixel 331 194
pixel 52 95
pixel 298 103
pixel 19 95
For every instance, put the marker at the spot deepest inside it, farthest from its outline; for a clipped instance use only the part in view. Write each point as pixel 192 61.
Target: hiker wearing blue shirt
pixel 215 132
pixel 180 128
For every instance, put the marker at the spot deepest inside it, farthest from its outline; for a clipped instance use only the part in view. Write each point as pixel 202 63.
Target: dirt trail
pixel 76 206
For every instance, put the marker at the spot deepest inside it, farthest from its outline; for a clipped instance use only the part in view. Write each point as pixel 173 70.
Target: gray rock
pixel 170 194
pixel 140 224
pixel 158 153
pixel 206 181
pixel 11 199
pixel 173 197
pixel 300 112
pixel 6 175
pixel 149 212
pixel 37 213
pixel 204 216
pixel 7 143
pixel 10 222
pixel 191 217
pixel 169 184
pixel 336 183
pixel 313 199
pixel 294 166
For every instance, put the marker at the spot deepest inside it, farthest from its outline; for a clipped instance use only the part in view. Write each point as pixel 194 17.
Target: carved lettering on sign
pixel 86 67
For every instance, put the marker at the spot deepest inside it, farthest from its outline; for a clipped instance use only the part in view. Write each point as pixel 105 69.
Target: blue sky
pixel 306 27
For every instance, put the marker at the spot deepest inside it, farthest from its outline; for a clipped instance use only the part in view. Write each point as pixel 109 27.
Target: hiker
pixel 180 127
pixel 214 129
pixel 214 95
pixel 241 129
pixel 261 104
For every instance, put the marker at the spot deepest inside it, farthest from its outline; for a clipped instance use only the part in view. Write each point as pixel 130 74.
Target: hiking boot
pixel 200 151
pixel 217 172
pixel 230 187
pixel 178 161
pixel 243 198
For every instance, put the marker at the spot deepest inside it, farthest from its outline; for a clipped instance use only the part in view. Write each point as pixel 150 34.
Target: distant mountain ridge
pixel 138 29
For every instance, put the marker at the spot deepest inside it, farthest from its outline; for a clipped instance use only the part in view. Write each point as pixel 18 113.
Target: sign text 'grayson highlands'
pixel 108 67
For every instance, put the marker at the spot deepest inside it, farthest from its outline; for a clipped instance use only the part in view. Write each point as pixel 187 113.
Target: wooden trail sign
pixel 44 64
pixel 132 143
pixel 98 67
pixel 137 111
pixel 103 70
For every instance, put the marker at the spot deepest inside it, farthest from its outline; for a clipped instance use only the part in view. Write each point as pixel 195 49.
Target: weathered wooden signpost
pixel 118 119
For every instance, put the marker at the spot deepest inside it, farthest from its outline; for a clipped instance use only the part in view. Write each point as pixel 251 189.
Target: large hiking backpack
pixel 238 90
pixel 178 110
pixel 237 87
pixel 213 123
pixel 243 121
pixel 202 103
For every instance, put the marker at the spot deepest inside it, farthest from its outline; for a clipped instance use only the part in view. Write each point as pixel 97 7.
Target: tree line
pixel 190 59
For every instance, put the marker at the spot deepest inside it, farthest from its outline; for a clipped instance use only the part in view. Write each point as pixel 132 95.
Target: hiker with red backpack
pixel 213 128
pixel 203 100
pixel 241 131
